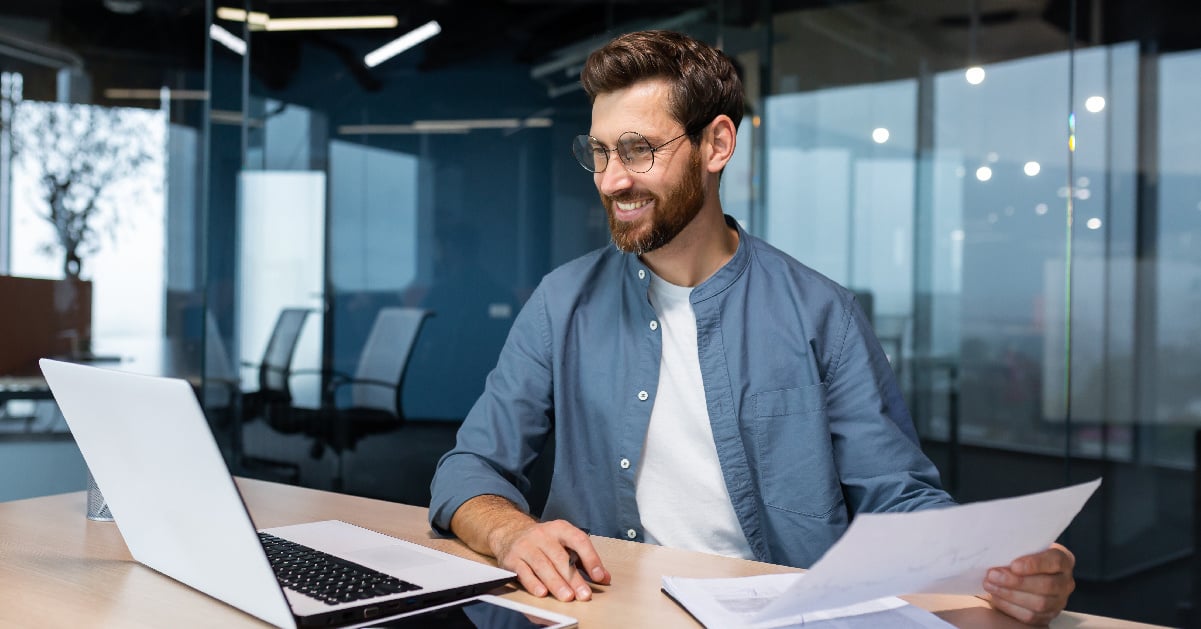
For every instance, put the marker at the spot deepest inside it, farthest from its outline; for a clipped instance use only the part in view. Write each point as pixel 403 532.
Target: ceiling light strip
pixel 402 43
pixel 239 15
pixel 227 39
pixel 266 22
pixel 394 129
pixel 127 93
pixel 331 23
pixel 446 126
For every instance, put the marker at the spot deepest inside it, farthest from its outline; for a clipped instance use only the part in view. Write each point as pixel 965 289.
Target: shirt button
pixel 654 325
pixel 641 274
pixel 625 464
pixel 631 533
pixel 642 395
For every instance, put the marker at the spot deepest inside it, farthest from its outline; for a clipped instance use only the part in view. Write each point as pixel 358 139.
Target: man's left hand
pixel 1033 588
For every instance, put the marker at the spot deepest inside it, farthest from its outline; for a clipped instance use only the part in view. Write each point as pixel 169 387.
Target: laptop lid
pixel 150 450
pixel 149 447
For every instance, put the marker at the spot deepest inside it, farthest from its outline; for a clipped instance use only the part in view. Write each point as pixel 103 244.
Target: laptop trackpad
pixel 391 558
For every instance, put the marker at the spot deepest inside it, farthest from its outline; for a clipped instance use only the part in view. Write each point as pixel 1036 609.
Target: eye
pixel 640 149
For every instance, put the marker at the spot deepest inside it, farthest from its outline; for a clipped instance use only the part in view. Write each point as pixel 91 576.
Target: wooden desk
pixel 59 569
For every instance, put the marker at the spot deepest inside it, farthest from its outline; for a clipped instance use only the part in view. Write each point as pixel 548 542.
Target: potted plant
pixel 80 155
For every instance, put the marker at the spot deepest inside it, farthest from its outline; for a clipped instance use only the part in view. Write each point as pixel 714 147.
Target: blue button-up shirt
pixel 809 424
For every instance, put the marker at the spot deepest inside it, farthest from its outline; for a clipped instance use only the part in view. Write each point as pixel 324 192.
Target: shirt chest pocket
pixel 794 456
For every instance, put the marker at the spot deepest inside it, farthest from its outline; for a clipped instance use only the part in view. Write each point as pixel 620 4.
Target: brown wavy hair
pixel 704 81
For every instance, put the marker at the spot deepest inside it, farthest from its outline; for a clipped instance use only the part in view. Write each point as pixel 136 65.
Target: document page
pixel 882 555
pixel 947 550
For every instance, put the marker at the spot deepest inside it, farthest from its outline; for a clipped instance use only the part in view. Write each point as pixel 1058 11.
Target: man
pixel 706 390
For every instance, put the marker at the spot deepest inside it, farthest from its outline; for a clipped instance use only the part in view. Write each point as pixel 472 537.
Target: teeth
pixel 628 207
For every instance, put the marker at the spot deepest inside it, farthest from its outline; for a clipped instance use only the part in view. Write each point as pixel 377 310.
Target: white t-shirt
pixel 681 495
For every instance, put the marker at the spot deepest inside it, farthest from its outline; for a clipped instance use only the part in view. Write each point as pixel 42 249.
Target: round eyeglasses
pixel 635 151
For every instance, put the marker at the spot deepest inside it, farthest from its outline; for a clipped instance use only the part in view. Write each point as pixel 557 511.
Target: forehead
pixel 641 107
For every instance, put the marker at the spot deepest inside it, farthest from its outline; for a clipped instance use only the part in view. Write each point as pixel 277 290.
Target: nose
pixel 614 179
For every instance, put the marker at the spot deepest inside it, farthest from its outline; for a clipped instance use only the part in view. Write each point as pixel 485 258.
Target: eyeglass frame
pixel 624 163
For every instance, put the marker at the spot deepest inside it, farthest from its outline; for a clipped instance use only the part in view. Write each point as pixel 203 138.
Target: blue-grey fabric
pixel 809 424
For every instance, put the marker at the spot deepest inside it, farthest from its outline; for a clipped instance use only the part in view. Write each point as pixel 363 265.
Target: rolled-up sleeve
pixel 506 428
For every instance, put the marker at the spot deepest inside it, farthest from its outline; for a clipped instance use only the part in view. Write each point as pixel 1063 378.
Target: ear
pixel 721 136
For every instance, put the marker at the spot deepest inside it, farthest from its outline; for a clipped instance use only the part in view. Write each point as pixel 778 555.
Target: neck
pixel 697 252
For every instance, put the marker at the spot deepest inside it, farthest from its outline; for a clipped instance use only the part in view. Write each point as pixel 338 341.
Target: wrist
pixel 501 535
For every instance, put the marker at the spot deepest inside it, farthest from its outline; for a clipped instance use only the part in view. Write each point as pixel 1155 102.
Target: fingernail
pixel 990 587
pixel 994 576
pixel 565 593
pixel 583 593
pixel 598 573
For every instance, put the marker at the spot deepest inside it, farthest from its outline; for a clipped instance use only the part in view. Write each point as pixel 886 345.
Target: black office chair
pixel 274 394
pixel 369 402
pixel 272 402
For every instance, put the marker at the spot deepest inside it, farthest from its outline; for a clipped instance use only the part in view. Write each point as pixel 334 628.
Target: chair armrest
pixel 318 372
pixel 334 376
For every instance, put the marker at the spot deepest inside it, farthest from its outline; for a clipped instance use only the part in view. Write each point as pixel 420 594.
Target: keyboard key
pixel 327 578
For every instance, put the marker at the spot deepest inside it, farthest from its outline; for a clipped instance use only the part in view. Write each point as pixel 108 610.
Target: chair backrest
pixel 277 359
pixel 385 357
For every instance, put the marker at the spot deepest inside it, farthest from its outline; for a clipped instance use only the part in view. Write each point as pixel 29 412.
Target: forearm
pixel 482 521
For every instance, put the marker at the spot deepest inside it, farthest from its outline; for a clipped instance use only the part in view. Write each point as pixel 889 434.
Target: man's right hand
pixel 547 556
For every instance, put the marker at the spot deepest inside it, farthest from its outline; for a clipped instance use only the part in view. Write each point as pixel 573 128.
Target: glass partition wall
pixel 101 140
pixel 439 179
pixel 1012 189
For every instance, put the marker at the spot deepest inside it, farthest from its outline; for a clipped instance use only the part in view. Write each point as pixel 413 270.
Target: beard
pixel 670 215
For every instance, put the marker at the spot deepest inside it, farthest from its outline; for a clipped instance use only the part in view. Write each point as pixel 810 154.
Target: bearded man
pixel 706 390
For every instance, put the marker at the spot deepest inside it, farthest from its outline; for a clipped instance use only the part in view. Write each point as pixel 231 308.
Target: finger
pixel 1052 585
pixel 1026 615
pixel 549 574
pixel 1052 560
pixel 583 591
pixel 587 557
pixel 531 583
pixel 562 559
pixel 1037 607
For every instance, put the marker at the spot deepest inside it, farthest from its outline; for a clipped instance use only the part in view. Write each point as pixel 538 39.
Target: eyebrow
pixel 654 140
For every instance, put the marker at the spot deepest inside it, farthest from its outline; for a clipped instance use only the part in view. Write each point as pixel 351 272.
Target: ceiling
pixel 164 36
pixel 167 32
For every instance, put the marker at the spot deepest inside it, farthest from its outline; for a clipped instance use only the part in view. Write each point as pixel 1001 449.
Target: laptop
pixel 150 449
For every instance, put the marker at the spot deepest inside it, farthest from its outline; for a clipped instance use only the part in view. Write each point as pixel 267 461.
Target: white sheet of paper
pixel 946 550
pixel 734 603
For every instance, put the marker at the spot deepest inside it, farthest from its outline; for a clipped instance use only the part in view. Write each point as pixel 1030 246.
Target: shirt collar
pixel 638 272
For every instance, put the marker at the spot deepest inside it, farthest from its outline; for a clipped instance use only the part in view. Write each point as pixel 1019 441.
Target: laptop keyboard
pixel 325 577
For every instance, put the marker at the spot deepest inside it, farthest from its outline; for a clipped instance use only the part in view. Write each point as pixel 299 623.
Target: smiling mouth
pixel 630 206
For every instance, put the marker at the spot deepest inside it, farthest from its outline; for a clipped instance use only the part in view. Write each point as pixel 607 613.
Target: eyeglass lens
pixel 635 151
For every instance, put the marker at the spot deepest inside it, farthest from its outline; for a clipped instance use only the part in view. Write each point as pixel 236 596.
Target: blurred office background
pixel 1013 188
